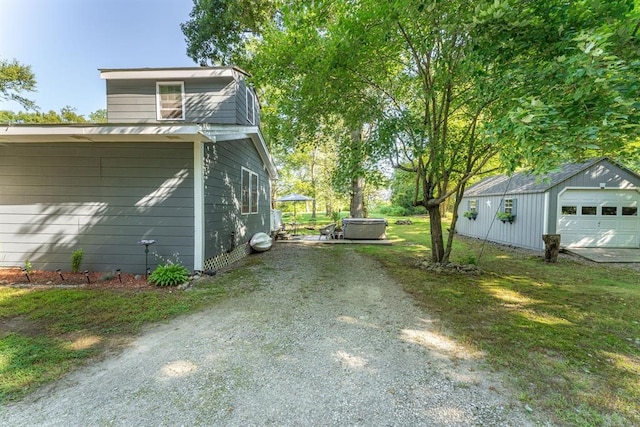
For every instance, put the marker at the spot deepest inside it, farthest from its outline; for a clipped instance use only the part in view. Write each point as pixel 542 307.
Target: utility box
pixel 364 228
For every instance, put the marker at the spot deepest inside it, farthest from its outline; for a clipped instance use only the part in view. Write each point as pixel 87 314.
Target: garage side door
pixel 599 218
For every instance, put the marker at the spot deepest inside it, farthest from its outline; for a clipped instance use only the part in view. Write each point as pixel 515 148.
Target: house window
pixel 251 106
pixel 509 206
pixel 629 211
pixel 609 210
pixel 249 192
pixel 589 210
pixel 569 210
pixel 473 205
pixel 170 100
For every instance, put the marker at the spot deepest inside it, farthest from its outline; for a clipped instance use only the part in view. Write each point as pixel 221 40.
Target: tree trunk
pixel 356 208
pixel 437 241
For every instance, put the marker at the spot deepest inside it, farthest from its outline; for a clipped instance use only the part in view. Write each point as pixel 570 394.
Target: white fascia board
pixel 167 73
pixel 228 133
pixel 61 133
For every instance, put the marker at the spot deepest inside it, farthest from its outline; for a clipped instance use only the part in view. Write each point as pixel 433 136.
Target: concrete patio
pixel 607 255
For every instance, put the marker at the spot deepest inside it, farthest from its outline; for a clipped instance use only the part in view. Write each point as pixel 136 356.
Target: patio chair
pixel 327 231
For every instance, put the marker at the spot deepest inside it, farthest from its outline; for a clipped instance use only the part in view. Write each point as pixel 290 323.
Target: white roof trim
pixel 98 133
pixel 170 73
pixel 153 132
pixel 226 133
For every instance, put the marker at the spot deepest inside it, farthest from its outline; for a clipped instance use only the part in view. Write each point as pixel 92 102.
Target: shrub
pixel 169 275
pixel 76 260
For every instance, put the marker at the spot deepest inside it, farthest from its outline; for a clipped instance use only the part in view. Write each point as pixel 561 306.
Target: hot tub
pixel 364 228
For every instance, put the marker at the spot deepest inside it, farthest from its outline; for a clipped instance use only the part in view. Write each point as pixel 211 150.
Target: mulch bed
pixel 98 280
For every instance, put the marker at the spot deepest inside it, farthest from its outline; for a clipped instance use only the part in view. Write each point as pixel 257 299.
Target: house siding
pixel 211 100
pixel 222 173
pixel 100 197
pixel 241 105
pixel 526 231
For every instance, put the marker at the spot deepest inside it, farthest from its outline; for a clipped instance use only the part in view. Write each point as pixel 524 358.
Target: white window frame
pixel 159 108
pixel 249 193
pixel 251 105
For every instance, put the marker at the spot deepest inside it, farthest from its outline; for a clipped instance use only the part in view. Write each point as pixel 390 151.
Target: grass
pixel 567 334
pixel 46 333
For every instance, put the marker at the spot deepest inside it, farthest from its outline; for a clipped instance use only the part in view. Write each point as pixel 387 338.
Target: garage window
pixel 569 210
pixel 589 210
pixel 629 211
pixel 509 206
pixel 473 205
pixel 609 210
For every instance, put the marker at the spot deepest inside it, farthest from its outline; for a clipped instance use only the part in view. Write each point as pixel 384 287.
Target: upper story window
pixel 170 100
pixel 251 106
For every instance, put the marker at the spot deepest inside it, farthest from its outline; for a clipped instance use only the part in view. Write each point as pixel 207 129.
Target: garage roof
pixel 526 182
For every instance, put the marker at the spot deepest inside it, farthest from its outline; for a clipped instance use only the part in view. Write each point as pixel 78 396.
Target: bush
pixel 76 260
pixel 169 275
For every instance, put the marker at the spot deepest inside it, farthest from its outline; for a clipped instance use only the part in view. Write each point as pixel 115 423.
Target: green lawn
pixel 45 333
pixel 568 334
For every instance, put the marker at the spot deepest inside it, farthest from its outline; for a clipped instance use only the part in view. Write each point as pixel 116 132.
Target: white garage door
pixel 599 218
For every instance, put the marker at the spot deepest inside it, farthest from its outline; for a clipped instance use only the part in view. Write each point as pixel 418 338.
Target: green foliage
pixel 169 274
pixel 65 115
pixel 76 260
pixel 28 267
pixel 218 30
pixel 470 214
pixel 98 116
pixel 16 78
pixel 505 216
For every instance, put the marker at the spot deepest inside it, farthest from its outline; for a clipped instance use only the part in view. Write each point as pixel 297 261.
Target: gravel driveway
pixel 329 339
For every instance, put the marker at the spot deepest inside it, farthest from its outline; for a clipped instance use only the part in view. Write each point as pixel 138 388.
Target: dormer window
pixel 251 107
pixel 170 100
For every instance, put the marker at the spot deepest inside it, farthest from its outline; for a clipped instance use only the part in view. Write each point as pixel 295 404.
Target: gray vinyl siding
pixel 241 105
pixel 101 197
pixel 526 231
pixel 222 204
pixel 214 101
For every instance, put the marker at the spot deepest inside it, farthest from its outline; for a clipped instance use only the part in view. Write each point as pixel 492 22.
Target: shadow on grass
pixel 567 334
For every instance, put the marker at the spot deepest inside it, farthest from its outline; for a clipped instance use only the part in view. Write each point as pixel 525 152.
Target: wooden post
pixel 551 247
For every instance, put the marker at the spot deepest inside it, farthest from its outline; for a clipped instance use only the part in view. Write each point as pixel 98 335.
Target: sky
pixel 66 42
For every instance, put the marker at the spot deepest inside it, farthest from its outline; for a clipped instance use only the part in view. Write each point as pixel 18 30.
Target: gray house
pixel 591 204
pixel 181 161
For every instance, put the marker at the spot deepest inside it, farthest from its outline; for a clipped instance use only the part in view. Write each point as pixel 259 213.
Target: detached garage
pixel 590 204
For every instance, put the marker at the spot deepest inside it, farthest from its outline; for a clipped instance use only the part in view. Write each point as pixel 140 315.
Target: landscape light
pixel 146 244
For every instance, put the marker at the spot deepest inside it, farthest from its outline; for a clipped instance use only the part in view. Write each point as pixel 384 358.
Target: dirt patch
pixel 100 280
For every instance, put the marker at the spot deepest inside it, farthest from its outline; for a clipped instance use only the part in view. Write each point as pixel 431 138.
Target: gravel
pixel 327 339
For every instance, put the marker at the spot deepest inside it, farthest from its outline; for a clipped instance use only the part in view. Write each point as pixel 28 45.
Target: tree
pixel 443 87
pixel 98 116
pixel 15 79
pixel 66 115
pixel 218 31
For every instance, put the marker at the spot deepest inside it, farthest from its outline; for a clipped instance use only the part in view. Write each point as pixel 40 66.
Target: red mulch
pixel 97 280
